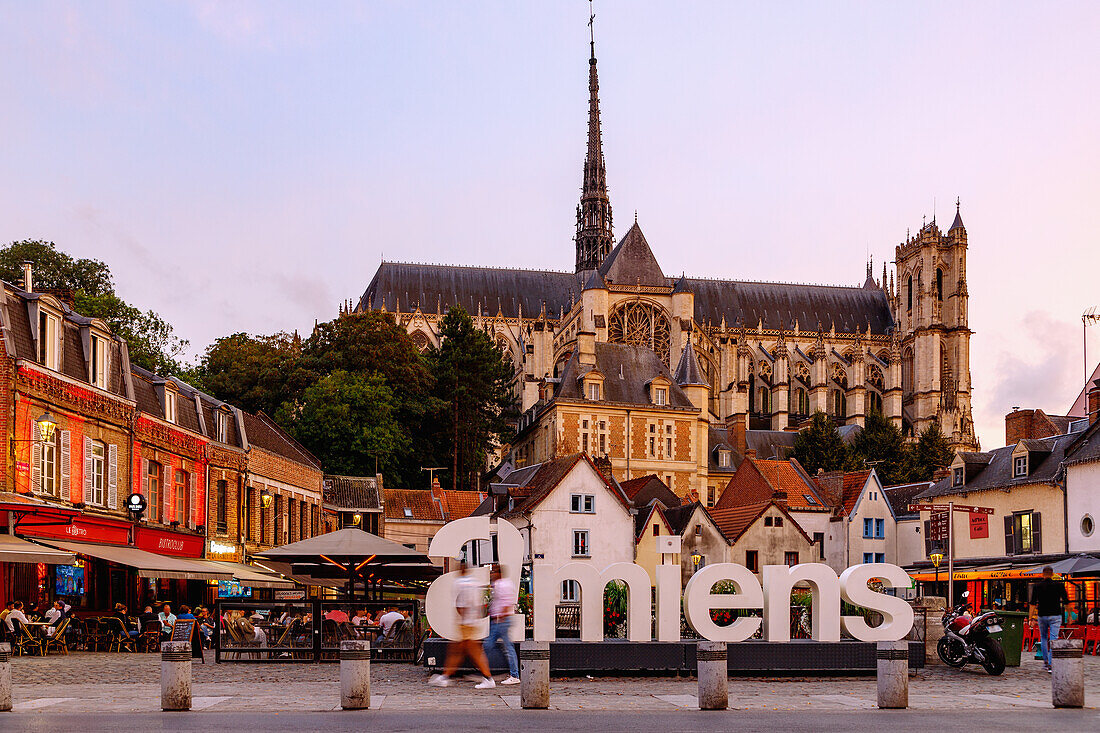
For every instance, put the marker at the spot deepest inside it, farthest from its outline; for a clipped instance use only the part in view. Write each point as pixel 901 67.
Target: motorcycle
pixel 967 639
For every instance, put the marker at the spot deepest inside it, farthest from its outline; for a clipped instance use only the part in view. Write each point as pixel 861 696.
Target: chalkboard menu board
pixel 183 629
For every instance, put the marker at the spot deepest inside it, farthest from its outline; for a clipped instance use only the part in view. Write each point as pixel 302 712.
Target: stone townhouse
pixel 762 534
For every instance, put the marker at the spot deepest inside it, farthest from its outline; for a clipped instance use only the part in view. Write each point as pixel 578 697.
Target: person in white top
pixel 470 605
pixel 502 602
pixel 16 615
pixel 389 618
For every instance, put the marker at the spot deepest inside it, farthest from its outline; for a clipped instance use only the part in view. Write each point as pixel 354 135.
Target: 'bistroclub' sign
pixel 770 595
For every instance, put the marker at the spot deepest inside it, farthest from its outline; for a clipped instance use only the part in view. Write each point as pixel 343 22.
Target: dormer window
pixel 221 426
pixel 1019 466
pixel 660 396
pixel 723 458
pixel 592 391
pixel 170 406
pixel 408 512
pixel 49 340
pixel 98 362
pixel 957 477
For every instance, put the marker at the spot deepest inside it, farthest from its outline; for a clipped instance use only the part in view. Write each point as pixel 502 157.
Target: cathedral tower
pixel 594 238
pixel 930 307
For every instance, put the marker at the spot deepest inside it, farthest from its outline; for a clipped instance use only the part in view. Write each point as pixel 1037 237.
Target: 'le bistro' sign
pixel 771 595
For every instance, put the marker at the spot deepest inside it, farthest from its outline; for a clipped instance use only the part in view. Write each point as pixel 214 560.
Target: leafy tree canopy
pixel 252 372
pixel 820 447
pixel 151 340
pixel 881 444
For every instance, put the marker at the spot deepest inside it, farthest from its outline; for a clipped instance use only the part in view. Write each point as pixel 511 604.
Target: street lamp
pixel 46 426
pixel 265 499
pixel 696 558
pixel 936 558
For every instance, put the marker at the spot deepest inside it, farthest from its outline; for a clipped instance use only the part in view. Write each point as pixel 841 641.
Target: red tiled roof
pixel 734 521
pixel 853 487
pixel 418 501
pixel 758 480
pixel 459 504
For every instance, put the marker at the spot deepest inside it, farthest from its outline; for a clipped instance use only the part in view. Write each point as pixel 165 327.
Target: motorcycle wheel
pixel 994 662
pixel 951 652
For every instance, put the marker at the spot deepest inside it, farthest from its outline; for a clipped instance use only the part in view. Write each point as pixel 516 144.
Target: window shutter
pixel 145 477
pixel 112 476
pixel 1036 533
pixel 167 489
pixel 87 469
pixel 193 503
pixel 927 538
pixel 36 458
pixel 66 463
pixel 1009 544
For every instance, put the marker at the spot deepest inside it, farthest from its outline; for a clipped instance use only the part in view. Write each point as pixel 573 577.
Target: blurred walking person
pixel 470 605
pixel 502 603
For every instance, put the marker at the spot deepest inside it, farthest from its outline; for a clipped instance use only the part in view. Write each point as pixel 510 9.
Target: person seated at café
pixel 16 615
pixel 247 629
pixel 361 618
pixel 32 612
pixel 338 615
pixel 389 618
pixel 206 624
pixel 185 612
pixel 124 618
pixel 4 626
pixel 147 617
pixel 167 619
pixel 54 616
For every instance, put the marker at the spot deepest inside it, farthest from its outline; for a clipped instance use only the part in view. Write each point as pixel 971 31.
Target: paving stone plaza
pixel 121 683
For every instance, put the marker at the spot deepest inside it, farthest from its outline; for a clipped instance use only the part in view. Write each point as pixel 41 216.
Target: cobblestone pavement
pixel 104 682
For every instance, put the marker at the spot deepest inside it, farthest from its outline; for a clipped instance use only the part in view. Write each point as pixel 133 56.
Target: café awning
pixel 13 549
pixel 148 564
pixel 250 576
pixel 1001 572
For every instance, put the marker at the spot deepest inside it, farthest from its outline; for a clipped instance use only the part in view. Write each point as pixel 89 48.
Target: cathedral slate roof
pixel 632 262
pixel 688 372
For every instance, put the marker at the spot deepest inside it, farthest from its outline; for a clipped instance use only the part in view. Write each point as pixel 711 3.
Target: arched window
pixel 939 284
pixel 840 404
pixel 802 402
pixel 640 324
pixel 420 340
pixel 874 402
pixel 909 294
pixel 907 371
pixel 506 352
pixel 765 401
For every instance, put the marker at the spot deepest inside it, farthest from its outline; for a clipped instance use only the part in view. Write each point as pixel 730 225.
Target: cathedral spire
pixel 594 232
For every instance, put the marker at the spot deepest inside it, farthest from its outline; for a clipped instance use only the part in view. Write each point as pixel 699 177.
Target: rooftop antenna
pixel 1092 315
pixel 592 28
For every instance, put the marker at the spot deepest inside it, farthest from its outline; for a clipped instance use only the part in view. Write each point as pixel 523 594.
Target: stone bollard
pixel 713 673
pixel 893 674
pixel 1067 677
pixel 534 674
pixel 5 676
pixel 355 675
pixel 175 675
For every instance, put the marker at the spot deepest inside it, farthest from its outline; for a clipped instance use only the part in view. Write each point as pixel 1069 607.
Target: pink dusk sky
pixel 244 166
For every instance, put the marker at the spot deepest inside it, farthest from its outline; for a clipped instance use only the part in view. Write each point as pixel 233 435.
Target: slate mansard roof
pixel 434 288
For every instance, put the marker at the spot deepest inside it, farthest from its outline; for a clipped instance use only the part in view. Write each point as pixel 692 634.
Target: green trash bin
pixel 1012 634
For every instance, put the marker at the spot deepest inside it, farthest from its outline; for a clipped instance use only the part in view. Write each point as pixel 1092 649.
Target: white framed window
pixel 98 362
pixel 1019 466
pixel 582 504
pixel 48 465
pixel 584 436
pixel 49 340
pixel 724 458
pixel 170 406
pixel 710 496
pixel 603 438
pixel 668 442
pixel 180 496
pixel 660 396
pixel 594 391
pixel 97 462
pixel 957 477
pixel 221 426
pixel 652 440
pixel 580 543
pixel 569 590
pixel 153 497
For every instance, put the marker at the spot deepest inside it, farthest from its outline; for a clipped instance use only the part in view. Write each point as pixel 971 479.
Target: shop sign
pixel 296 594
pixel 770 594
pixel 166 542
pixel 979 526
pixel 221 549
pixel 938 529
pixel 82 529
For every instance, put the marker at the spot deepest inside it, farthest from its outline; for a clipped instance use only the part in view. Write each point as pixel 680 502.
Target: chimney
pixel 28 276
pixel 586 348
pixel 1094 401
pixel 940 474
pixel 736 429
pixel 750 453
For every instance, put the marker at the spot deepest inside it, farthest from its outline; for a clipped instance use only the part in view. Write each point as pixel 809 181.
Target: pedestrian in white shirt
pixel 502 602
pixel 470 603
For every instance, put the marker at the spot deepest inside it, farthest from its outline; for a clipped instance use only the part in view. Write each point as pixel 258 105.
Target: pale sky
pixel 244 166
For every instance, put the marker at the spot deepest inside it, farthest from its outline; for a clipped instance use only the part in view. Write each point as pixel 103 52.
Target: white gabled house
pixel 863 528
pixel 566 511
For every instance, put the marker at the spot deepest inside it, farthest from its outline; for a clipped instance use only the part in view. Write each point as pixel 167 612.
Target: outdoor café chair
pixel 25 640
pixel 1092 636
pixel 97 636
pixel 57 641
pixel 117 635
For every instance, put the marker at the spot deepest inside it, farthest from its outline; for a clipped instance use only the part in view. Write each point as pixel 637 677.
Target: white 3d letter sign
pixel 771 597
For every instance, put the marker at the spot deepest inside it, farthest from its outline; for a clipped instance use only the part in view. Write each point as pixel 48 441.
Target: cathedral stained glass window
pixel 641 324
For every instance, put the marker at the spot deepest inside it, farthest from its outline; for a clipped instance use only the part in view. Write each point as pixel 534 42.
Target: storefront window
pixel 181 497
pixel 96 473
pixel 154 498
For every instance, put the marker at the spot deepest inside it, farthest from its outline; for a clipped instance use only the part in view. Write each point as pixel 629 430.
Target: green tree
pixel 151 341
pixel 349 422
pixel 881 444
pixel 820 447
pixel 253 372
pixel 931 453
pixel 473 382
